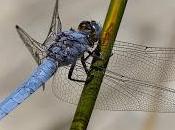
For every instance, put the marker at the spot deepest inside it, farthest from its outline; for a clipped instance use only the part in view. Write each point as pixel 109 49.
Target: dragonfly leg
pixel 94 54
pixel 71 72
pixel 83 61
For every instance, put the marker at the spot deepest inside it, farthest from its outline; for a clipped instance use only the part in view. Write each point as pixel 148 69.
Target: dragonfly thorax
pixel 68 47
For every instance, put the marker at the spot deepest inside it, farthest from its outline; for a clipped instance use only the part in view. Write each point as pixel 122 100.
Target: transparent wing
pixel 36 49
pixel 65 89
pixel 133 80
pixel 120 93
pixel 55 27
pixel 143 63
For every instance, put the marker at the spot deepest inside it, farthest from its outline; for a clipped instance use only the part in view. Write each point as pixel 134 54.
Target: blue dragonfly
pixel 134 79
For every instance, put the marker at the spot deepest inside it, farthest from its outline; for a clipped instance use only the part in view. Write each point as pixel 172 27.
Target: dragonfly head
pixel 92 29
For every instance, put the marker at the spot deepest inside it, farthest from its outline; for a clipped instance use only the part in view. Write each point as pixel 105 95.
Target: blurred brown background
pixel 145 21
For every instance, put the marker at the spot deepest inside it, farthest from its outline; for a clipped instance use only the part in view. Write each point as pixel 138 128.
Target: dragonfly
pixel 135 78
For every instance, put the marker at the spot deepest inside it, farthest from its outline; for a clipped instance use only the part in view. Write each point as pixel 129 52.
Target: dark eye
pixel 85 27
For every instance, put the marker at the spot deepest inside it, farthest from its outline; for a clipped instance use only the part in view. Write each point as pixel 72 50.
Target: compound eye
pixel 84 27
pixel 93 22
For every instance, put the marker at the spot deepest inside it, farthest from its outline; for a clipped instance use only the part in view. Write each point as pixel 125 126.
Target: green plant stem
pixel 91 89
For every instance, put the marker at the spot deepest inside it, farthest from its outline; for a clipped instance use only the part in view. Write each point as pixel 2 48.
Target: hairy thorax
pixel 68 47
